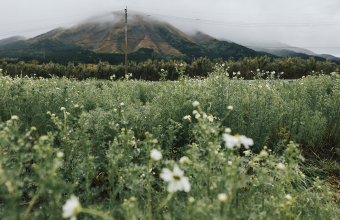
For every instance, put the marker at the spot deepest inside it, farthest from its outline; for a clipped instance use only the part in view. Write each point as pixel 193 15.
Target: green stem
pixel 149 191
pixel 221 211
pixel 35 197
pixel 164 202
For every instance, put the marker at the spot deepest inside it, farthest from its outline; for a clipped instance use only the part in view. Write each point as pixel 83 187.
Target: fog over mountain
pixel 309 24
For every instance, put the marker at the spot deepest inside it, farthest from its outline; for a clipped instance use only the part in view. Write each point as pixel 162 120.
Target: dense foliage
pixel 293 68
pixel 96 139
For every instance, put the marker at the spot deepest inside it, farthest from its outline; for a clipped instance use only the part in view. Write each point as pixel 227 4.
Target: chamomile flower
pixel 177 181
pixel 14 117
pixel 71 208
pixel 289 197
pixel 237 140
pixel 155 155
pixel 211 118
pixel 281 166
pixel 195 103
pixel 188 117
pixel 222 197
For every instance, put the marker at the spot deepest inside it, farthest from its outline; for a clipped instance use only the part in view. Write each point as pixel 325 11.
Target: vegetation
pixel 120 147
pixel 292 68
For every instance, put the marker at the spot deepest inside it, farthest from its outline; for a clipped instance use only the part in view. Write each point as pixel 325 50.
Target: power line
pixel 227 13
pixel 238 24
pixel 190 20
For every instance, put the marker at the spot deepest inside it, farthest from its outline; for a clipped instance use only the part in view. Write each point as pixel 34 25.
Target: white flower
pixel 122 103
pixel 155 155
pixel 263 154
pixel 76 106
pixel 204 115
pixel 273 72
pixel 184 159
pixel 230 163
pixel 71 208
pixel 237 140
pixel 246 141
pixel 162 70
pixel 247 152
pixel 60 154
pixel 227 130
pixel 187 117
pixel 230 141
pixel 43 138
pixel 238 73
pixel 195 103
pixel 197 116
pixel 194 112
pixel 230 107
pixel 289 197
pixel 176 179
pixel 62 109
pixel 14 117
pixel 211 118
pixel 222 197
pixel 281 166
pixel 191 199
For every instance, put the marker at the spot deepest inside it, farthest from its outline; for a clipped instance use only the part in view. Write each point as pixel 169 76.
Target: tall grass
pixel 93 139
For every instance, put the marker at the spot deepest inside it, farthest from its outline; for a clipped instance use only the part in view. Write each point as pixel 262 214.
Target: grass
pixel 93 139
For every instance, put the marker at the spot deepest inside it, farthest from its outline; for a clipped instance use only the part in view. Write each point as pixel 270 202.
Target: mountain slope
pixel 163 40
pixel 11 40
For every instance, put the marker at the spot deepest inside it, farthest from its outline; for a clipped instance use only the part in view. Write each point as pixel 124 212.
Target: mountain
pixel 107 39
pixel 330 57
pixel 11 40
pixel 282 50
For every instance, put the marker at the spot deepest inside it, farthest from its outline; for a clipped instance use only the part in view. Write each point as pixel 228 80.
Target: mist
pixel 310 24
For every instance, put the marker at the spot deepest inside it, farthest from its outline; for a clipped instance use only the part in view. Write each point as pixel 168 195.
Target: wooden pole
pixel 126 64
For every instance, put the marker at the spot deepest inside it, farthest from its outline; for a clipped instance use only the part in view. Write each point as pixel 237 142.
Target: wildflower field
pixel 214 148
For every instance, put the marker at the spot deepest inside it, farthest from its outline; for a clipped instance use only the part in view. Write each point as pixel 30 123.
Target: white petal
pixel 172 187
pixel 230 141
pixel 177 186
pixel 166 175
pixel 177 171
pixel 246 141
pixel 185 184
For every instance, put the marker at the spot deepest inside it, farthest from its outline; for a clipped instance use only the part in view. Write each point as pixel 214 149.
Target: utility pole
pixel 126 71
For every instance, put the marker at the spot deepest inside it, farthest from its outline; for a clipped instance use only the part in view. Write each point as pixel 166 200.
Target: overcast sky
pixel 310 24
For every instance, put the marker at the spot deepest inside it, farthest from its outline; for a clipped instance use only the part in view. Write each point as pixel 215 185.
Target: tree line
pixel 155 70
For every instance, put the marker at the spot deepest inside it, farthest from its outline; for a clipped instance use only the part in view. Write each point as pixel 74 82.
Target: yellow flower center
pixel 177 178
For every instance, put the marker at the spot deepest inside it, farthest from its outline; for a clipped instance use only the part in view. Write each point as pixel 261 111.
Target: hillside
pixel 107 40
pixel 11 40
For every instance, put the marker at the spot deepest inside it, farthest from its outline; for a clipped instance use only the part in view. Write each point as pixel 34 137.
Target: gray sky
pixel 310 24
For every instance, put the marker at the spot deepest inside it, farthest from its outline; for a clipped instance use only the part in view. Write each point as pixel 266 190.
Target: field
pixel 132 149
